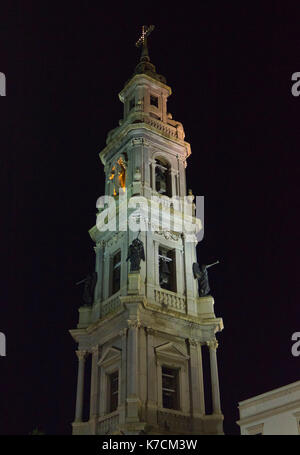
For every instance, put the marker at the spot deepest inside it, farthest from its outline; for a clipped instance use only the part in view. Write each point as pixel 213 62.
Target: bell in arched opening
pixel 162 179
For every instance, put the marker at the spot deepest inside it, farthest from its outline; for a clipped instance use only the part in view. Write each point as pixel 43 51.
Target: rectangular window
pixel 170 383
pixel 116 273
pixel 167 269
pixel 113 391
pixel 154 100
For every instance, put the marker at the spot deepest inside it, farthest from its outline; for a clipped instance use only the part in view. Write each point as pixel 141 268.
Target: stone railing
pixel 108 424
pixel 166 129
pixel 174 421
pixel 111 304
pixel 170 299
pixel 138 116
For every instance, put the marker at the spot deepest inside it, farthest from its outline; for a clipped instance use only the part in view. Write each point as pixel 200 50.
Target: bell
pixel 165 267
pixel 162 186
pixel 164 273
pixel 161 183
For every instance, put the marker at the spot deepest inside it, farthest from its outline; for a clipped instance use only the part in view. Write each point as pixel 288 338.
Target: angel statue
pixel 200 273
pixel 136 253
pixel 89 288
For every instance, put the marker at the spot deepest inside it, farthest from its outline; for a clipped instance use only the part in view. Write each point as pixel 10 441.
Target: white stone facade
pixel 273 413
pixel 142 327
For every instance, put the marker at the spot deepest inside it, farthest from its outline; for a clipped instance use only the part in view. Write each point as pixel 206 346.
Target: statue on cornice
pixel 200 273
pixel 89 288
pixel 136 253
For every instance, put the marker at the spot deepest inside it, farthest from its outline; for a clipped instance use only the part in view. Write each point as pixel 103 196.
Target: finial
pixel 142 42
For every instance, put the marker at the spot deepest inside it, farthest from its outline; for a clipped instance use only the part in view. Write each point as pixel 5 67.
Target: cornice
pixel 271 395
pixel 269 413
pixel 216 322
pixel 123 132
pixel 137 79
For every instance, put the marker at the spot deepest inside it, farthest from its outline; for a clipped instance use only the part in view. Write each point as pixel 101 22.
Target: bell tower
pixel 145 327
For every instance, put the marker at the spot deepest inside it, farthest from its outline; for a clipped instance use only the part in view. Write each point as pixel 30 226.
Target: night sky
pixel 230 69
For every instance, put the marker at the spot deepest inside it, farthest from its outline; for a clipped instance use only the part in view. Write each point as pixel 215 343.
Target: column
pixel 99 250
pixel 182 178
pixel 132 385
pixel 143 383
pixel 197 389
pixel 80 385
pixel 123 377
pixel 173 174
pixel 124 273
pixel 133 402
pixel 153 176
pixel 179 268
pixel 94 383
pixel 152 379
pixel 150 268
pixel 106 275
pixel 164 108
pixel 214 376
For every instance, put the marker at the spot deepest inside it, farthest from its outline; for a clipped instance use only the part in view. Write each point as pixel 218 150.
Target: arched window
pixel 163 177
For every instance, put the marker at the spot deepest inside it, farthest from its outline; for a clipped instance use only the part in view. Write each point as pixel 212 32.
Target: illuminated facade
pixel 146 330
pixel 276 412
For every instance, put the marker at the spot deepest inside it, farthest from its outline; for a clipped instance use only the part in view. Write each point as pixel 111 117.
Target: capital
pixel 213 344
pixel 81 354
pixel 123 332
pixel 133 323
pixel 99 246
pixel 193 342
pixel 95 350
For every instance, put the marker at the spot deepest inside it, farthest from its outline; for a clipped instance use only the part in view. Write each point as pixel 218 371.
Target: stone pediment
pixel 111 355
pixel 171 351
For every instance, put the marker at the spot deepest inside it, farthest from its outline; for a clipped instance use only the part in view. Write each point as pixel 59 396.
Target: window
pixel 110 383
pixel 170 388
pixel 131 103
pixel 154 100
pixel 167 270
pixel 113 384
pixel 116 272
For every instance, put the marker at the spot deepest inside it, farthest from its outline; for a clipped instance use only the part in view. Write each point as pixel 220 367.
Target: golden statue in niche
pixel 118 176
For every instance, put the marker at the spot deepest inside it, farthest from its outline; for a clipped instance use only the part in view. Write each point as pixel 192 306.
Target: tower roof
pixel 145 66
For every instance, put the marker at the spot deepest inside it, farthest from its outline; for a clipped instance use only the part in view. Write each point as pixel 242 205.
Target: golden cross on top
pixel 145 32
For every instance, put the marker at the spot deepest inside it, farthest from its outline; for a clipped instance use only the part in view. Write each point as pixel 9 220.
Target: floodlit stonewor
pixel 146 329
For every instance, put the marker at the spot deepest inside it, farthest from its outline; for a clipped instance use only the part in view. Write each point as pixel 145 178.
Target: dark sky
pixel 230 70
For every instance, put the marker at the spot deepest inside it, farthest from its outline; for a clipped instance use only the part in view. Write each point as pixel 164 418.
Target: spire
pixel 145 66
